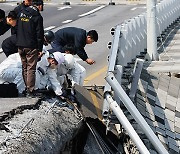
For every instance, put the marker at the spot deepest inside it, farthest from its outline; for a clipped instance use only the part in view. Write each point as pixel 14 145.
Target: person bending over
pixel 76 36
pixel 7 22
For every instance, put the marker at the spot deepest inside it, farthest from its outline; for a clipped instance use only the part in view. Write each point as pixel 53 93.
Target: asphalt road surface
pixel 99 17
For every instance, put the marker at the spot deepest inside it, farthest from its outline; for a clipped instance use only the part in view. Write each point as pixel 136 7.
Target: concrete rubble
pixel 41 130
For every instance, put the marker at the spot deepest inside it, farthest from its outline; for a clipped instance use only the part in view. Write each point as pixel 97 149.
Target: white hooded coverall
pixel 76 72
pixel 11 71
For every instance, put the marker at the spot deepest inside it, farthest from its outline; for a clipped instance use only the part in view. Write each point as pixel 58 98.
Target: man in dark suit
pixel 7 22
pixel 76 36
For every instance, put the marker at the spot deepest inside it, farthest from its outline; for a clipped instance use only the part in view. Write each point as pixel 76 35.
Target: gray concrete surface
pixel 9 104
pixel 46 131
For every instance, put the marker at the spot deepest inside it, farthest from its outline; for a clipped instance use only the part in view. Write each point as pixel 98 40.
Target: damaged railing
pixel 130 44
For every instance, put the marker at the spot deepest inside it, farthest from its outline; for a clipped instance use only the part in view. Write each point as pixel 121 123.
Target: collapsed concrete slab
pixel 44 129
pixel 11 106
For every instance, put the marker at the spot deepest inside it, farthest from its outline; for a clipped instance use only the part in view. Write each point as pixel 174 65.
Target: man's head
pixel 92 36
pixel 69 49
pixel 48 37
pixel 11 18
pixel 55 59
pixel 27 2
pixel 2 15
pixel 39 4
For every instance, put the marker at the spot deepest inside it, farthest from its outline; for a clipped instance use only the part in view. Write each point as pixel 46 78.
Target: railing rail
pixel 129 42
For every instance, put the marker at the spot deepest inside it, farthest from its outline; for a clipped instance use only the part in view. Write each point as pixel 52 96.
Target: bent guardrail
pixel 130 42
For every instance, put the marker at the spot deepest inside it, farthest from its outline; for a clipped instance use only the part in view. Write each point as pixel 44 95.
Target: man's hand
pixel 40 54
pixel 90 61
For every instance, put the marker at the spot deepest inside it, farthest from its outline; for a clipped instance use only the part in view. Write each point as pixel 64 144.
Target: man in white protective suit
pixel 10 71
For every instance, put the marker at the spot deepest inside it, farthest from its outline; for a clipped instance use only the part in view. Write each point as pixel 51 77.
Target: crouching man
pixel 46 74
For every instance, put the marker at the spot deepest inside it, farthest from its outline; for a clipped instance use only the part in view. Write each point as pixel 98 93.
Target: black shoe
pixel 29 95
pixel 24 92
pixel 33 94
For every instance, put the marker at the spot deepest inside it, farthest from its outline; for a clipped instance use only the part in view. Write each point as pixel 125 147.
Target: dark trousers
pixel 29 58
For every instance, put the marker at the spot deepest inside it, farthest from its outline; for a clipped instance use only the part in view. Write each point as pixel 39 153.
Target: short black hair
pixel 38 2
pixel 12 15
pixel 71 48
pixel 93 34
pixel 2 14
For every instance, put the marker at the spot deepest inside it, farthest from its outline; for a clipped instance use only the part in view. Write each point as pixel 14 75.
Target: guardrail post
pixel 66 2
pixel 111 2
pixel 136 75
pixel 151 30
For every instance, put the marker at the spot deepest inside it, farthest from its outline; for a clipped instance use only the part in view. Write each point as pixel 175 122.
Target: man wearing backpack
pixel 30 38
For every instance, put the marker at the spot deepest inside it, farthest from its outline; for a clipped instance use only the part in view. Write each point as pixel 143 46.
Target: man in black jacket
pixel 7 22
pixel 76 36
pixel 18 9
pixel 30 38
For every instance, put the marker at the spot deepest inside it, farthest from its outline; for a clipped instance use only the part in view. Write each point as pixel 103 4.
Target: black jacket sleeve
pixel 4 27
pixel 82 54
pixel 40 33
pixel 18 11
pixel 80 42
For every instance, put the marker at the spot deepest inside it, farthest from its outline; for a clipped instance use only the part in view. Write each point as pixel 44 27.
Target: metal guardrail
pixel 130 40
pixel 133 37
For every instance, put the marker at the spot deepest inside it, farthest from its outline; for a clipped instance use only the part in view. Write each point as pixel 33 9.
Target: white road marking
pixel 66 21
pixel 133 8
pixel 1 50
pixel 64 7
pixel 92 11
pixel 50 27
pixel 11 4
pixel 144 7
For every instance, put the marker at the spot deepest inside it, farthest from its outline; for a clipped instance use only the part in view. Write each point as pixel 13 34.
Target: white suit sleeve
pixel 54 82
pixel 78 74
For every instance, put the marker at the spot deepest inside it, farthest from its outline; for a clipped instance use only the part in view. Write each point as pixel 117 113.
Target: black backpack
pixel 8 90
